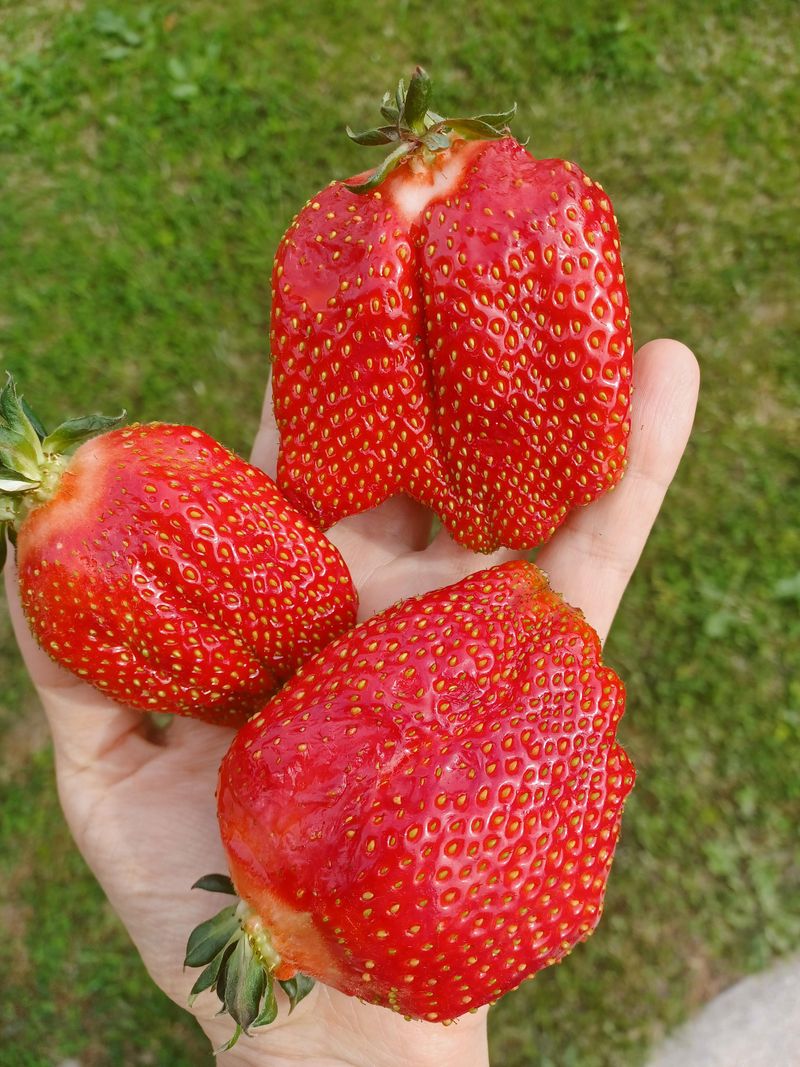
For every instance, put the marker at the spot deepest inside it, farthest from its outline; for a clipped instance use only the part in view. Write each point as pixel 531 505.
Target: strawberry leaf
pixel 498 120
pixel 74 432
pixel 209 977
pixel 12 481
pixel 210 937
pixel 238 960
pixel 215 883
pixel 388 110
pixel 27 455
pixel 474 129
pixel 392 161
pixel 229 1044
pixel 13 413
pixel 296 988
pixel 416 100
pixel 245 983
pixel 32 419
pixel 380 135
pixel 269 1012
pixel 421 131
pixel 9 439
pixel 30 458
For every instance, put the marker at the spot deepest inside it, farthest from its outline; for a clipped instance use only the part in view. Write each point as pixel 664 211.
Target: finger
pixel 591 558
pixel 375 538
pixel 443 563
pixel 267 439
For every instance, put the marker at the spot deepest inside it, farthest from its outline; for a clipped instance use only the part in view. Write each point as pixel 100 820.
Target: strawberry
pixel 160 567
pixel 426 814
pixel 458 332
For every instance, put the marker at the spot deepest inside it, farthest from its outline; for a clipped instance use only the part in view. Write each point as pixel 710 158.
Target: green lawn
pixel 150 157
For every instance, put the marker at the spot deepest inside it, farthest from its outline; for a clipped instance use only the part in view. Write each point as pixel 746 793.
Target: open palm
pixel 140 801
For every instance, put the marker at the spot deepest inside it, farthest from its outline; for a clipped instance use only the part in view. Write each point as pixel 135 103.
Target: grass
pixel 150 158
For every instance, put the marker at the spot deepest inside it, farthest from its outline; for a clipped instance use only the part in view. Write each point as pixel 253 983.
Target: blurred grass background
pixel 150 157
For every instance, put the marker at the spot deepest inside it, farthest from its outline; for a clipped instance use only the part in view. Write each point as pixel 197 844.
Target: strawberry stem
pixel 416 131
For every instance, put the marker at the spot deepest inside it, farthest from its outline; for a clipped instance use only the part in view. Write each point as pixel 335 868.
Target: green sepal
pixel 30 458
pixel 269 1012
pixel 245 983
pixel 10 438
pixel 211 937
pixel 421 131
pixel 415 104
pixel 8 511
pixel 12 413
pixel 500 119
pixel 234 964
pixel 237 1033
pixel 296 988
pixel 380 135
pixel 436 141
pixel 389 111
pixel 12 481
pixel 215 883
pixel 392 161
pixel 41 433
pixel 475 129
pixel 208 977
pixel 74 432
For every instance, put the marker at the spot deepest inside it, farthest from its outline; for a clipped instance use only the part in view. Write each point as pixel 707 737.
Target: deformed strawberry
pixel 426 814
pixel 160 567
pixel 459 332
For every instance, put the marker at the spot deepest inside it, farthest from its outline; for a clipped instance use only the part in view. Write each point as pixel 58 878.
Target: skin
pixel 141 806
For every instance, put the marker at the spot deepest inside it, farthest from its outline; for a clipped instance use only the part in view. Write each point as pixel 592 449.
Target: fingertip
pixel 673 366
pixel 665 393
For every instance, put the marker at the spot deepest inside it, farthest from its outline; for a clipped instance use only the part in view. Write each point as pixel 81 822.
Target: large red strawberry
pixel 426 814
pixel 160 567
pixel 458 330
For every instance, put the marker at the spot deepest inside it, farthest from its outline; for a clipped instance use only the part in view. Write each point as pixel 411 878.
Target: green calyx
pixel 238 960
pixel 416 131
pixel 31 459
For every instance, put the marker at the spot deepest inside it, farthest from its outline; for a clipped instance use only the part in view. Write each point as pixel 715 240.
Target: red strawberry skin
pixel 460 334
pixel 174 576
pixel 427 813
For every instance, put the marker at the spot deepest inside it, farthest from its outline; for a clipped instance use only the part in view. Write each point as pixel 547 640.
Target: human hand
pixel 140 801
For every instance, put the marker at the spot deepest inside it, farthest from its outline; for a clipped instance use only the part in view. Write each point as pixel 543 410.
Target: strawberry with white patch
pixel 458 332
pixel 161 568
